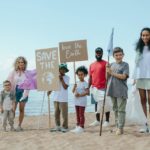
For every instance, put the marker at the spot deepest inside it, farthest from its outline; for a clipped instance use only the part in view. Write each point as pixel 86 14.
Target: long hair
pixel 16 63
pixel 140 44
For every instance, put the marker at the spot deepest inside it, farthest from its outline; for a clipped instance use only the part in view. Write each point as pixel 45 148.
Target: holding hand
pixel 108 69
pixel 13 109
pixel 74 88
pixel 77 95
pixel 49 93
pixel 60 77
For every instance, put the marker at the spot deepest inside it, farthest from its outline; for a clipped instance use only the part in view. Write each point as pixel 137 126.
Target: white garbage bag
pixel 134 110
pixel 1 118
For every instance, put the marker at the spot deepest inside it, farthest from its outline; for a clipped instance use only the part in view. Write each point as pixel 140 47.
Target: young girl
pixel 80 91
pixel 142 69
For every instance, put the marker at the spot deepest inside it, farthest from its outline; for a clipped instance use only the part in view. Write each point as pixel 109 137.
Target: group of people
pixel 103 77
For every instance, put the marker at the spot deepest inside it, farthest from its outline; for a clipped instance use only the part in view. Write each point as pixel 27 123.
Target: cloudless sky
pixel 26 25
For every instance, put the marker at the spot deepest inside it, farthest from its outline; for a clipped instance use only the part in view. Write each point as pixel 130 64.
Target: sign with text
pixel 73 51
pixel 47 66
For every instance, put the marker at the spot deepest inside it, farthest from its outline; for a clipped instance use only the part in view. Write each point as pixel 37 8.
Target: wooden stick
pixel 41 110
pixel 49 115
pixel 101 123
pixel 74 67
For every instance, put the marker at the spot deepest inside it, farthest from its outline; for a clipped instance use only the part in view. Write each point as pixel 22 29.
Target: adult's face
pixel 21 64
pixel 145 37
pixel 98 55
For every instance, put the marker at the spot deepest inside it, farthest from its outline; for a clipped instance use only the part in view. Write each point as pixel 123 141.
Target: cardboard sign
pixel 47 66
pixel 73 51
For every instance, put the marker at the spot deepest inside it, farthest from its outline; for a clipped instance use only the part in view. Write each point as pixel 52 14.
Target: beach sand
pixel 41 139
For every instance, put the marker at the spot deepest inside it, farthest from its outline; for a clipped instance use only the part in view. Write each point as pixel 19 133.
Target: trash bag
pixel 134 110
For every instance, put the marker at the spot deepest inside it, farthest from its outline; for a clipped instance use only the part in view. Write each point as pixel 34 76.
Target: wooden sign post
pixel 47 66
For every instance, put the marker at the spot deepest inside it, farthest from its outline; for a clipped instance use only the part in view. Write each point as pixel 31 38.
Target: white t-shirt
pixel 62 94
pixel 19 78
pixel 8 103
pixel 81 88
pixel 142 70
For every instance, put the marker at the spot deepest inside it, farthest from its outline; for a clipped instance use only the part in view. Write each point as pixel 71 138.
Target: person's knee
pixel 21 110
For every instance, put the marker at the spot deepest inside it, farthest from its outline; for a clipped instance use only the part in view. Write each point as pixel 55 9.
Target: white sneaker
pixel 79 130
pixel 74 130
pixel 18 129
pixel 144 129
pixel 95 123
pixel 106 124
pixel 64 130
pixel 57 128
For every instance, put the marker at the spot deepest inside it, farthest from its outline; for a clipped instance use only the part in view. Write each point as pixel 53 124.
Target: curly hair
pixel 82 69
pixel 140 44
pixel 16 63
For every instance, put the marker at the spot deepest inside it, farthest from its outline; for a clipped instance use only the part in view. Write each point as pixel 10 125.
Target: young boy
pixel 7 105
pixel 118 73
pixel 60 99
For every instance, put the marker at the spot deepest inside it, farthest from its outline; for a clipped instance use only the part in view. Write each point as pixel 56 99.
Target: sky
pixel 27 25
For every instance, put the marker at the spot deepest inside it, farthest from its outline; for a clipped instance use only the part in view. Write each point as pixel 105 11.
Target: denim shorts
pixel 19 94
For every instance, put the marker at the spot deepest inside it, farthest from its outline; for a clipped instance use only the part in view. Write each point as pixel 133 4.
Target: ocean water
pixel 38 103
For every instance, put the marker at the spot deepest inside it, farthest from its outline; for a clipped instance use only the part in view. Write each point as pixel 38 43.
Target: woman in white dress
pixel 142 68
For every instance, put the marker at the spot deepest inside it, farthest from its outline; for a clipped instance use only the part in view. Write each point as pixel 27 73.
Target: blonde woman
pixel 17 77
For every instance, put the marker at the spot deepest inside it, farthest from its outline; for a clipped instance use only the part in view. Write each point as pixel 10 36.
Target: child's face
pixel 62 71
pixel 7 86
pixel 145 37
pixel 118 56
pixel 81 75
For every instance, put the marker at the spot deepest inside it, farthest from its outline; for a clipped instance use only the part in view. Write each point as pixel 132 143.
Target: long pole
pixel 49 115
pixel 100 133
pixel 74 66
pixel 41 110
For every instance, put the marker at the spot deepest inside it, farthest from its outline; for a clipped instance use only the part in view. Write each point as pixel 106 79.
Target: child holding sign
pixel 80 91
pixel 60 99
